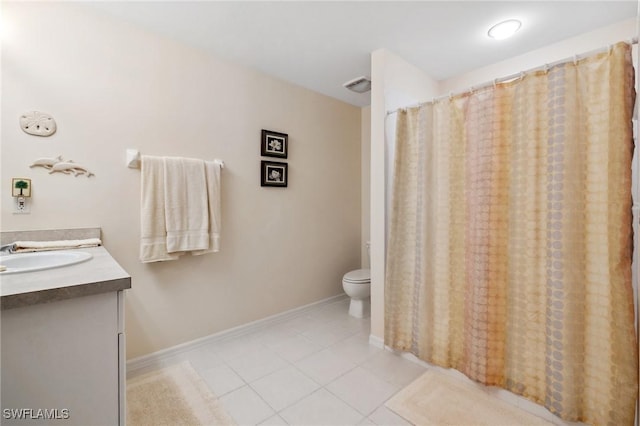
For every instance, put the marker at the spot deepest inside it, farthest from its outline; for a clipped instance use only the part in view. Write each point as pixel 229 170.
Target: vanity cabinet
pixel 66 357
pixel 62 345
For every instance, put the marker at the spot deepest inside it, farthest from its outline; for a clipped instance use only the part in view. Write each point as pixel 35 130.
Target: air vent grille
pixel 359 85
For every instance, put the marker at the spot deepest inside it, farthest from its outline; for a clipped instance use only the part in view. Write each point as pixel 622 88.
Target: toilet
pixel 357 285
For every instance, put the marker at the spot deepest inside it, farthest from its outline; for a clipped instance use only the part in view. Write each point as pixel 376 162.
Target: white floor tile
pixel 324 366
pixel 295 348
pixel 327 334
pixel 246 407
pixel 274 421
pixel 355 349
pixel 203 358
pixel 276 333
pixel 321 408
pixel 238 347
pixel 393 368
pixel 356 325
pixel 362 390
pixel 332 312
pixel 222 380
pixel 284 387
pixel 254 365
pixel 314 369
pixel 384 416
pixel 306 321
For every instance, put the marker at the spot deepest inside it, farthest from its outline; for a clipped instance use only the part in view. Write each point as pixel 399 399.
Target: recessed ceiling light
pixel 504 29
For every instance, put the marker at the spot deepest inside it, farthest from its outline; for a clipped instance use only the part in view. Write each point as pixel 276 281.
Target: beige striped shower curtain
pixel 510 243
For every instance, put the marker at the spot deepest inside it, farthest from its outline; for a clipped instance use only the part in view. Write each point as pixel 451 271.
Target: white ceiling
pixel 320 45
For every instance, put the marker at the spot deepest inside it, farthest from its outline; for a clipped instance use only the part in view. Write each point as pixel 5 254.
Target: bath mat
pixel 439 400
pixel 174 395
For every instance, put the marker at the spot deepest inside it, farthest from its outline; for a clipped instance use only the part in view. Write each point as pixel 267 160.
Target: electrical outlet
pixel 21 205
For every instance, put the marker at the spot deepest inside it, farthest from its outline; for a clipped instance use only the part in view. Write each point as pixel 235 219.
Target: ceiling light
pixel 504 29
pixel 359 85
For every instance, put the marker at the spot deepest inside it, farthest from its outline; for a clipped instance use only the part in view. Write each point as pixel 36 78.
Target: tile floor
pixel 315 369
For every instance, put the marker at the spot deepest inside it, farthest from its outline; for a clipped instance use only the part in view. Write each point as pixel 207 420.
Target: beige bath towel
pixel 186 204
pixel 212 171
pixel 153 238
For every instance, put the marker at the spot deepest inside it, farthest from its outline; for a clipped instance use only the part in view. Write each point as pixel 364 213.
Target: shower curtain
pixel 510 242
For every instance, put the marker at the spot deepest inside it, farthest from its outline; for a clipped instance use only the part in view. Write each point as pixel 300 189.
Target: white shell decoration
pixel 38 123
pixel 57 164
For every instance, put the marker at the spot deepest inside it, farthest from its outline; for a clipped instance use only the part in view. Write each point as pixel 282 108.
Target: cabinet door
pixel 62 356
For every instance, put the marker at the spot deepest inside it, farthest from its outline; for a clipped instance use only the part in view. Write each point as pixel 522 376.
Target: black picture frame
pixel 274 144
pixel 274 173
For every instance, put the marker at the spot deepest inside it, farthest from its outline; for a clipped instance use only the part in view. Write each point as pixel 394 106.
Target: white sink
pixel 29 262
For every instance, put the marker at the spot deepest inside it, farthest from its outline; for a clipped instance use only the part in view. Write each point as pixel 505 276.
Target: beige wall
pixel 112 86
pixel 365 160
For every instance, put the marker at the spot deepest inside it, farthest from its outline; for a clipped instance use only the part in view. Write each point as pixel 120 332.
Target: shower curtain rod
pixel 472 89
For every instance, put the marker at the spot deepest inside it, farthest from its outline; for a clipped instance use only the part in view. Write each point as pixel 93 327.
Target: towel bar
pixel 133 159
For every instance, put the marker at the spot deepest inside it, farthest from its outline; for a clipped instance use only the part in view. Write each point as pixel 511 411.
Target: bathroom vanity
pixel 62 344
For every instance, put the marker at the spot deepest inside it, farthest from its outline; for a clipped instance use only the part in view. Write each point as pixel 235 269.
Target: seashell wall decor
pixel 38 123
pixel 58 165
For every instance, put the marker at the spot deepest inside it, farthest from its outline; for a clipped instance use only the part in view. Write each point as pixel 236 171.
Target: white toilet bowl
pixel 357 285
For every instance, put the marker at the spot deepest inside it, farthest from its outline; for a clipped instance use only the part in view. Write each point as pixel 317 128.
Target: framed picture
pixel 273 173
pixel 274 144
pixel 21 187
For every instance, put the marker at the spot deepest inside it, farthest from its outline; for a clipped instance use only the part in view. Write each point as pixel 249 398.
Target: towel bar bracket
pixel 133 158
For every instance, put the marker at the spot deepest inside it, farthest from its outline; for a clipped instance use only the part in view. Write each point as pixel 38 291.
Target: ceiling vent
pixel 359 85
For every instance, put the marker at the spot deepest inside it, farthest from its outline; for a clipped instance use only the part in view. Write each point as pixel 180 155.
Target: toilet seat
pixel 359 276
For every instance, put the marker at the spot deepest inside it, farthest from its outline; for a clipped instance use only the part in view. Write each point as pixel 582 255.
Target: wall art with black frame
pixel 274 144
pixel 274 173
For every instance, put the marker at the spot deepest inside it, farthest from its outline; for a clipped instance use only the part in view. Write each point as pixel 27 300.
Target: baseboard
pixel 376 341
pixel 160 358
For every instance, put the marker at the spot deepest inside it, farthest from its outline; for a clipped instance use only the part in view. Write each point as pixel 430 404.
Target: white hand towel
pixel 212 171
pixel 153 238
pixel 186 204
pixel 32 246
